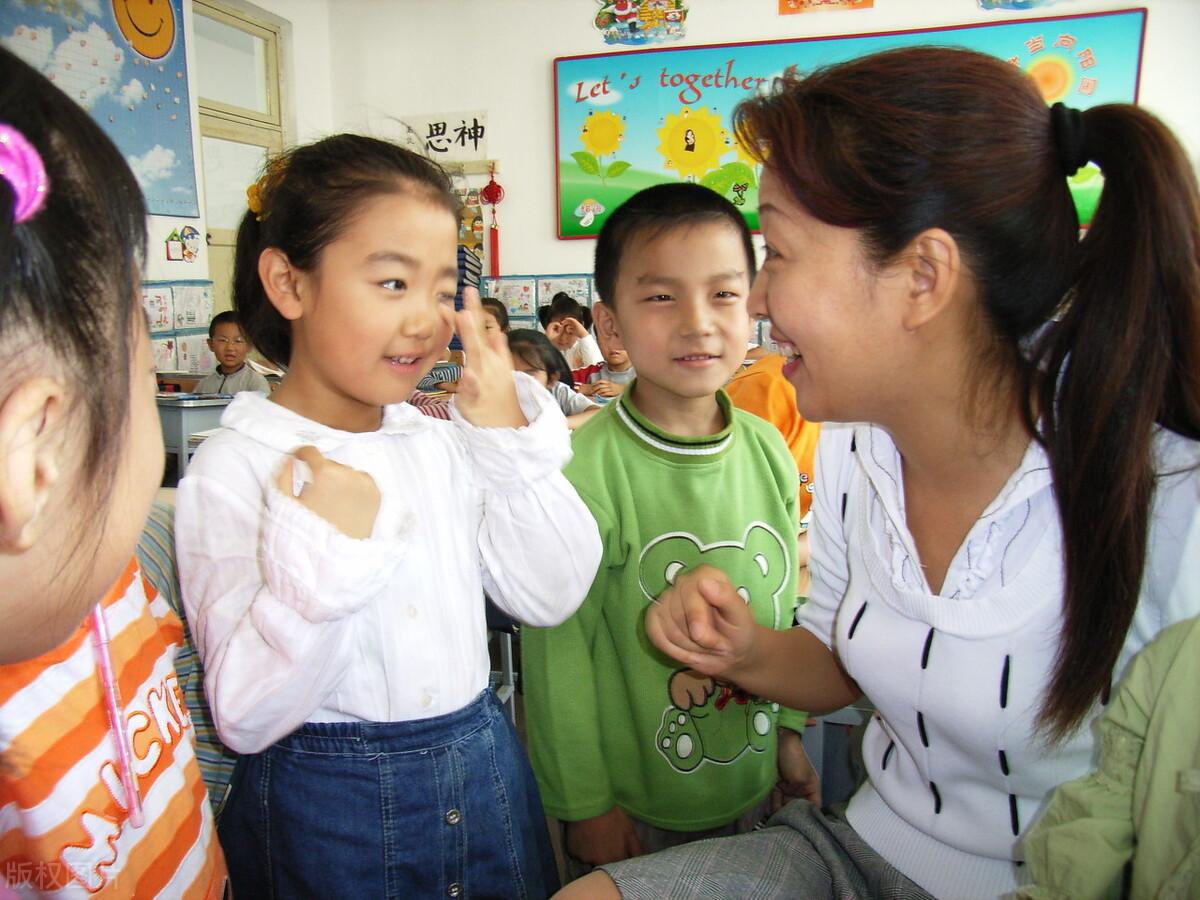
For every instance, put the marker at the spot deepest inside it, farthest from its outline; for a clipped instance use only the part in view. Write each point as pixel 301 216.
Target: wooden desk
pixel 183 416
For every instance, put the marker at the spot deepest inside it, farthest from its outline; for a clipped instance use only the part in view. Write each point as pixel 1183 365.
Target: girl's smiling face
pixel 375 314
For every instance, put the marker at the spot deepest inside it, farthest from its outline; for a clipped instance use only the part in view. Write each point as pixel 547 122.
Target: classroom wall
pixel 388 58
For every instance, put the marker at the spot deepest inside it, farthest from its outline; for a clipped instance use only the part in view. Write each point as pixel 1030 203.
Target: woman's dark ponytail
pixel 1124 356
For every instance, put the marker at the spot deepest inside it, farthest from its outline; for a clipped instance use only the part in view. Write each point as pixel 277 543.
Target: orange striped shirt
pixel 64 830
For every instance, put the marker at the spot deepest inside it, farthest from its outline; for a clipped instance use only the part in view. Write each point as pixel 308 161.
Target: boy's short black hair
pixel 651 212
pixel 224 318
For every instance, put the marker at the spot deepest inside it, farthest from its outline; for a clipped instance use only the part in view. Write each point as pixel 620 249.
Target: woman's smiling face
pixel 828 308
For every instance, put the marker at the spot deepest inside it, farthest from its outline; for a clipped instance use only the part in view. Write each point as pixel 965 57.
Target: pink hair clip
pixel 21 166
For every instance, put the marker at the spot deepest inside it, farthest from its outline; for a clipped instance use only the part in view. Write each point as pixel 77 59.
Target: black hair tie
pixel 1070 139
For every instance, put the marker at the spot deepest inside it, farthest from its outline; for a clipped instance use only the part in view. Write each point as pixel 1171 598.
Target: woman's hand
pixel 487 395
pixel 344 497
pixel 703 622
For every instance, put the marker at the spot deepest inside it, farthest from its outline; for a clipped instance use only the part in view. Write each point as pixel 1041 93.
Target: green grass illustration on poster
pixel 625 121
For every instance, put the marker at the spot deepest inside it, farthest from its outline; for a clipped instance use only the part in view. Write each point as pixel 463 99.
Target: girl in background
pixel 535 355
pixel 496 314
pixel 334 546
pixel 100 794
pixel 568 324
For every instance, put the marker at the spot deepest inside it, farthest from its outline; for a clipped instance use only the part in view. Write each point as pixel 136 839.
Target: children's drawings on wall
pixel 641 21
pixel 159 303
pixel 193 305
pixel 519 295
pixel 625 121
pixel 579 287
pixel 194 356
pixel 174 310
pixel 165 357
pixel 125 63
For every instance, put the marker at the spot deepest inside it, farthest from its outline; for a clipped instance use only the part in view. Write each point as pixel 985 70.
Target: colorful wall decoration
pixel 640 22
pixel 124 62
pixel 791 7
pixel 624 121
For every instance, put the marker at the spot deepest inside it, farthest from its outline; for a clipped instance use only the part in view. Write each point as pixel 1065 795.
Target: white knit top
pixel 955 772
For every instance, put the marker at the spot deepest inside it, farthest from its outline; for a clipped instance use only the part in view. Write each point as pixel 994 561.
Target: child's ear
pixel 607 325
pixel 280 282
pixel 29 460
pixel 932 273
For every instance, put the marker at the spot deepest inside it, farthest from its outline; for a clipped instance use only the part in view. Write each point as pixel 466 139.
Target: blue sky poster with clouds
pixel 627 120
pixel 124 62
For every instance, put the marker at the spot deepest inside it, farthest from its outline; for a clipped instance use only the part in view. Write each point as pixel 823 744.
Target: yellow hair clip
pixel 254 200
pixel 265 185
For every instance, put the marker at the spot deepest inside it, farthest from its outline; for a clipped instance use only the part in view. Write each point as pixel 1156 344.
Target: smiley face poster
pixel 124 62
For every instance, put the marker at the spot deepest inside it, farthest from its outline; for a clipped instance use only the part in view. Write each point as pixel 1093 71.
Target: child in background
pixel 334 546
pixel 763 390
pixel 632 753
pixel 1132 827
pixel 568 325
pixel 100 794
pixel 444 376
pixel 612 378
pixel 495 314
pixel 534 355
pixel 234 374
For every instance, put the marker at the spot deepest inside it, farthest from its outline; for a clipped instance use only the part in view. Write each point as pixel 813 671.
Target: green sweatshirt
pixel 611 720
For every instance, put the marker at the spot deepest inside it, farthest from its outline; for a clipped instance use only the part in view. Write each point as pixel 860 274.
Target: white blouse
pixel 296 622
pixel 956 769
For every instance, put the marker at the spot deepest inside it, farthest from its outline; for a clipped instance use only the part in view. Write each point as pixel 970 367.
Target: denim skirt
pixel 440 807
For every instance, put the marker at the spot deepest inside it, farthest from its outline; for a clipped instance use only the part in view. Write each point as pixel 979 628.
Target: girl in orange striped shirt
pixel 97 797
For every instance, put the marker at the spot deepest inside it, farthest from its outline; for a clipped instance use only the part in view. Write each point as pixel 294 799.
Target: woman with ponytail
pixel 1009 512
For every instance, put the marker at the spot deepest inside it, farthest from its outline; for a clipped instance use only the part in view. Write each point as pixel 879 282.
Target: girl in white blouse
pixel 334 547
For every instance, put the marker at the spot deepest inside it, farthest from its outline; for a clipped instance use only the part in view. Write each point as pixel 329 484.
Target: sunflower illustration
pixel 692 142
pixel 602 132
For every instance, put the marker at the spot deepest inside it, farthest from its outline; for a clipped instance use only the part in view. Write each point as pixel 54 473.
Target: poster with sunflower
pixel 625 121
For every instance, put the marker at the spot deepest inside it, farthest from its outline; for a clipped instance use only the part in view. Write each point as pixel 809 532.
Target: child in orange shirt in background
pixel 763 390
pixel 98 797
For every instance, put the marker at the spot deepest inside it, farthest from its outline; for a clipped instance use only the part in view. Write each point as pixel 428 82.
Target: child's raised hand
pixel 703 622
pixel 344 497
pixel 487 396
pixel 565 333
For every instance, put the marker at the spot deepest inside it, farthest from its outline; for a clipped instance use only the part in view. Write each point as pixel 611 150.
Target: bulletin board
pixel 523 294
pixel 178 313
pixel 625 121
pixel 125 64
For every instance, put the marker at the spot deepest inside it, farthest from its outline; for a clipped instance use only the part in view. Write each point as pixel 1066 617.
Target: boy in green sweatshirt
pixel 633 751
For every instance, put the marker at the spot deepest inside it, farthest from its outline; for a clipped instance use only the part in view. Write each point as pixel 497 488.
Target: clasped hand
pixel 703 622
